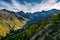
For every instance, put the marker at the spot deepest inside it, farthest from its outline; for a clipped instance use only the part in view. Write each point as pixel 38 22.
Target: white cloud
pixel 44 5
pixel 7 6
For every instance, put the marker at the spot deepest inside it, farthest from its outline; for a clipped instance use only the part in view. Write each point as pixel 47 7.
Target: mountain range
pixel 15 22
pixel 33 17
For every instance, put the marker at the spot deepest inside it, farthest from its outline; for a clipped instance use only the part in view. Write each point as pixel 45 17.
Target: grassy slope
pixel 9 22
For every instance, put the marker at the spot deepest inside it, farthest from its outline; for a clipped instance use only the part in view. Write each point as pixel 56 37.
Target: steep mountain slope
pixel 46 29
pixel 9 22
pixel 51 31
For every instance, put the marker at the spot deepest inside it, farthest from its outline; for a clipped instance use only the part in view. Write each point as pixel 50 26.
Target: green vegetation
pixel 46 29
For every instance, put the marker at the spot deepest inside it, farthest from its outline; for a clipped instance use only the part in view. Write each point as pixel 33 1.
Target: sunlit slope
pixel 9 22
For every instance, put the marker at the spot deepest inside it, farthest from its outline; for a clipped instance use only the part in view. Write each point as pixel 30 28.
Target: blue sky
pixel 22 1
pixel 28 1
pixel 29 5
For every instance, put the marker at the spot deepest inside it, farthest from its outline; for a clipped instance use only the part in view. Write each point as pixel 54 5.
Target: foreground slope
pixel 51 31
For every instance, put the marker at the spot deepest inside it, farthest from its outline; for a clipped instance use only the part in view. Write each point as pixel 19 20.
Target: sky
pixel 30 6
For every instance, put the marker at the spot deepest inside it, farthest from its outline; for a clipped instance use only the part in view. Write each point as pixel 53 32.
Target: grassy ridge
pixel 9 22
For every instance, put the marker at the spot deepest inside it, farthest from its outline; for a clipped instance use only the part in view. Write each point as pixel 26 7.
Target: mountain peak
pixel 4 10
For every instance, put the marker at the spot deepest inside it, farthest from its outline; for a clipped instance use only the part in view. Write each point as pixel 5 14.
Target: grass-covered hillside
pixel 46 29
pixel 9 22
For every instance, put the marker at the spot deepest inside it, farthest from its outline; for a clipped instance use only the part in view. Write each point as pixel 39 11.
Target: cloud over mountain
pixel 30 7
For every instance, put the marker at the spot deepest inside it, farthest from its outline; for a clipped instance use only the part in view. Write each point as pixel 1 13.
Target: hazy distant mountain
pixel 37 16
